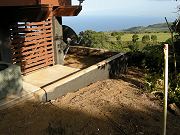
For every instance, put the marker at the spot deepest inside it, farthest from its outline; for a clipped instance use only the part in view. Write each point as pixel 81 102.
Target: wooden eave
pixel 67 10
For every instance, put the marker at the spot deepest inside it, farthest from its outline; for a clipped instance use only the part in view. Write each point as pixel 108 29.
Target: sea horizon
pixel 110 23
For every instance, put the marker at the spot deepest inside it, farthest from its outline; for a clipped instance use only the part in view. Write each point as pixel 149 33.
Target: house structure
pixel 31 39
pixel 31 32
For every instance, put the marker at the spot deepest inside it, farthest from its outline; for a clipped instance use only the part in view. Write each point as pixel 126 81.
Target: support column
pixel 5 44
pixel 59 44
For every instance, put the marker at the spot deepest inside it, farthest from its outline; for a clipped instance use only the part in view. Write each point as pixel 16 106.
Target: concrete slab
pixel 33 82
pixel 48 75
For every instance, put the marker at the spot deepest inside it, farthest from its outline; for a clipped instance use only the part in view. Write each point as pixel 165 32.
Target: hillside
pixel 160 27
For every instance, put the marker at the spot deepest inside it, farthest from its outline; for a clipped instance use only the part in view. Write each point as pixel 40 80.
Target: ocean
pixel 109 23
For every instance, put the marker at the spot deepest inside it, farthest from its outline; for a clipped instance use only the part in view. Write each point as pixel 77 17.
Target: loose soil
pixel 81 61
pixel 109 107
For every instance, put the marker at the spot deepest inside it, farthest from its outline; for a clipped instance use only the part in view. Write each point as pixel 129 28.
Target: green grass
pixel 160 36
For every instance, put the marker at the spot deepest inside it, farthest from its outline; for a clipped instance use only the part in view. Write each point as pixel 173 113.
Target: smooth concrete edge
pixel 61 88
pixel 29 87
pixel 83 78
pixel 88 48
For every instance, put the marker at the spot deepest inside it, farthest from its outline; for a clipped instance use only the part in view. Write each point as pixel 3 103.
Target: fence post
pixel 165 87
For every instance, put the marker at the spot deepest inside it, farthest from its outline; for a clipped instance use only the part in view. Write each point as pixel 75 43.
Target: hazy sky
pixel 105 15
pixel 154 8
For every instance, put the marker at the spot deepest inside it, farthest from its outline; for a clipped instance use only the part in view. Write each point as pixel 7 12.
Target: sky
pixel 153 11
pixel 128 7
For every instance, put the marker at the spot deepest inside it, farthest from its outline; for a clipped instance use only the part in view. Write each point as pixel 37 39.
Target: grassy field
pixel 160 36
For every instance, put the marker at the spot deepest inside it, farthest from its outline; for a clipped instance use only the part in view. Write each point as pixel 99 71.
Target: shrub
pixel 146 39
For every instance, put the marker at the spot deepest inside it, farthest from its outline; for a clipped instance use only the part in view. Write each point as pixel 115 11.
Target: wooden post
pixel 5 42
pixel 58 41
pixel 165 87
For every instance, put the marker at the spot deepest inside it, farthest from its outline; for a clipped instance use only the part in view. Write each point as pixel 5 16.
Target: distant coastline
pixel 110 23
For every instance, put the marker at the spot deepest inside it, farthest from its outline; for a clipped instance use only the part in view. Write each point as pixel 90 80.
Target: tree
pixel 114 34
pixel 87 37
pixel 135 37
pixel 118 38
pixel 154 38
pixel 146 39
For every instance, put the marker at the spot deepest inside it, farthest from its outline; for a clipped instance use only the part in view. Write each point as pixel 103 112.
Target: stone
pixel 10 80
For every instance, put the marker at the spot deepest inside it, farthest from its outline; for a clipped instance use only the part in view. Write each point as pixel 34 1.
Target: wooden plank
pixel 42 62
pixel 30 24
pixel 18 2
pixel 35 50
pixel 23 44
pixel 24 54
pixel 32 53
pixel 45 44
pixel 47 22
pixel 34 64
pixel 30 61
pixel 45 57
pixel 32 38
pixel 21 30
pixel 31 56
pixel 52 2
pixel 47 39
pixel 36 33
pixel 28 44
pixel 31 69
pixel 34 2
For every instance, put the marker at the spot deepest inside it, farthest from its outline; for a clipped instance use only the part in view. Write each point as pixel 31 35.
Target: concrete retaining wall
pixel 10 80
pixel 83 78
pixel 100 71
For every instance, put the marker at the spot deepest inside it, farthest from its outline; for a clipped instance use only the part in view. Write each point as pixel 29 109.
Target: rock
pixel 174 109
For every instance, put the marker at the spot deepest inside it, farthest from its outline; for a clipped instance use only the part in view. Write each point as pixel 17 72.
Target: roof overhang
pixel 34 2
pixel 67 10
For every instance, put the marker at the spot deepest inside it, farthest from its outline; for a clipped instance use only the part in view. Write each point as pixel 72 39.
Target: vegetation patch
pixel 143 49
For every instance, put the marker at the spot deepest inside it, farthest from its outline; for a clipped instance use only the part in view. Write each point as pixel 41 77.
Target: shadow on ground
pixel 39 118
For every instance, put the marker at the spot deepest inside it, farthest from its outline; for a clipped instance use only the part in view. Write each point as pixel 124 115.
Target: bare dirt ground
pixel 109 107
pixel 80 61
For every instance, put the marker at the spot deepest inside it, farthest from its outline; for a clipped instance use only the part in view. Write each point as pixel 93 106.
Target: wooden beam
pixel 34 2
pixel 67 11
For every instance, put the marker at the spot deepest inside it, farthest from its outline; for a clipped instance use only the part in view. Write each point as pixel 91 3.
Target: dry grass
pixel 161 37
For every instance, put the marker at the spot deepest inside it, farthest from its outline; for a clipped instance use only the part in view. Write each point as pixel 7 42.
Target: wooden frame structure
pixel 29 39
